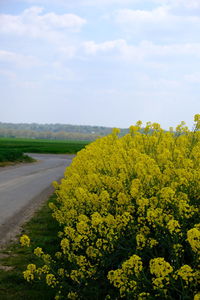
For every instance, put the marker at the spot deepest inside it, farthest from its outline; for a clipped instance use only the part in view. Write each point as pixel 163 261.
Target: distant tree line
pixel 46 135
pixel 54 131
pixel 99 130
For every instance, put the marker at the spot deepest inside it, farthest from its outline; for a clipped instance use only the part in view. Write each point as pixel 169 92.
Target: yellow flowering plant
pixel 128 210
pixel 25 240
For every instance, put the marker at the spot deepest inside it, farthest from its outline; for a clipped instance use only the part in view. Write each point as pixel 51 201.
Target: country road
pixel 24 187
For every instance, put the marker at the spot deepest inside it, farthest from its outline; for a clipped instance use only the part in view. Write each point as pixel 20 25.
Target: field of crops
pixel 128 210
pixel 11 149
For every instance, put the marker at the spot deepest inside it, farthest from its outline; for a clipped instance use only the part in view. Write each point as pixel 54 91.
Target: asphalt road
pixel 24 187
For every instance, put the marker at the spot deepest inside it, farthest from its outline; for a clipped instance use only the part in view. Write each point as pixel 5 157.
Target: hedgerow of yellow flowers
pixel 128 210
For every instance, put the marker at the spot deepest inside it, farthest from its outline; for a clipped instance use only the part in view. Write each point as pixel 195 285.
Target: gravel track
pixel 24 187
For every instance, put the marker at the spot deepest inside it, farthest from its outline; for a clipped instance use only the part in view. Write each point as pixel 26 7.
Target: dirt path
pixel 24 187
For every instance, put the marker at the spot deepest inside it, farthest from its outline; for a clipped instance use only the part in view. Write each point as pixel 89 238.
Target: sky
pixel 100 62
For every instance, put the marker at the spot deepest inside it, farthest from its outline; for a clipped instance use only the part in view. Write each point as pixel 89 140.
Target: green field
pixel 12 149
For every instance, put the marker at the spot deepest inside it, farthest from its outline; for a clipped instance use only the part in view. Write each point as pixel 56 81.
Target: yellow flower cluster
pixel 193 237
pixel 29 273
pixel 123 278
pixel 186 273
pixel 161 270
pixel 33 272
pixel 173 226
pixel 25 240
pixel 128 210
pixel 197 296
pixel 51 280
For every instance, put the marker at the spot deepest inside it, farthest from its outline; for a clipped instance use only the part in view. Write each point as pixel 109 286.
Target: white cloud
pixel 193 78
pixel 27 84
pixel 67 51
pixel 107 2
pixel 191 4
pixel 83 2
pixel 59 72
pixel 161 23
pixel 158 84
pixel 33 22
pixel 143 50
pixel 91 47
pixel 18 59
pixel 159 15
pixel 188 49
pixel 8 74
pixel 180 4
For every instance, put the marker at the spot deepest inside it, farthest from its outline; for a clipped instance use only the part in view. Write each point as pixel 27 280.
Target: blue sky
pixel 100 62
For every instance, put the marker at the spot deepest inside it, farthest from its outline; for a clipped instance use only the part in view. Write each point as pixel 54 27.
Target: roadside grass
pixel 11 156
pixel 42 146
pixel 42 230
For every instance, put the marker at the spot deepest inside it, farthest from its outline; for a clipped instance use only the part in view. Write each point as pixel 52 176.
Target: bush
pixel 128 214
pixel 10 155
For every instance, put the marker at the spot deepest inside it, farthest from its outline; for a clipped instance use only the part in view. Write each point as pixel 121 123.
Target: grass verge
pixel 42 230
pixel 22 159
